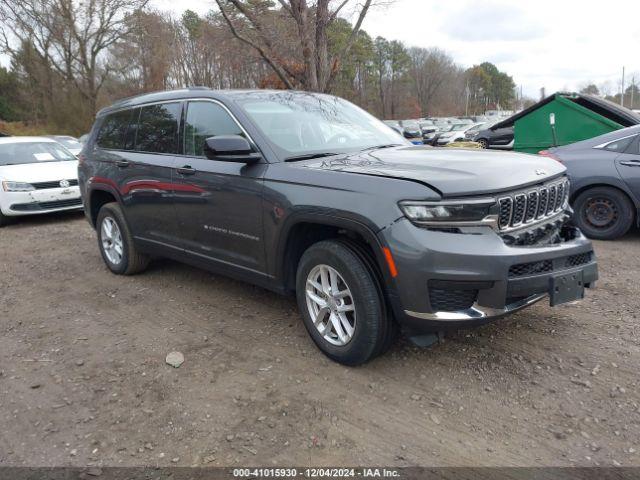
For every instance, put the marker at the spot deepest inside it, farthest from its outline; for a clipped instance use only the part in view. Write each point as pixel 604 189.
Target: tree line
pixel 69 58
pixel 630 99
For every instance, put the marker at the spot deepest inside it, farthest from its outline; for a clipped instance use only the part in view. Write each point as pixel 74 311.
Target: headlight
pixel 17 187
pixel 457 212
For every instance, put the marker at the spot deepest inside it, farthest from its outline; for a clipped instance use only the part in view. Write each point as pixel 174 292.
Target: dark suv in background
pixel 308 194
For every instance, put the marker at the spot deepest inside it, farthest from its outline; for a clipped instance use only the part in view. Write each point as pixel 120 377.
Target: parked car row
pixel 442 131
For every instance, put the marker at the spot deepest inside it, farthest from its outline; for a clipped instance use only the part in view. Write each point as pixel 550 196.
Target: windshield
pixel 304 124
pixel 33 152
pixel 460 127
pixel 69 142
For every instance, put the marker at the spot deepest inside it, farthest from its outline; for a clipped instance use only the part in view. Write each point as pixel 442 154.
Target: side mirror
pixel 230 148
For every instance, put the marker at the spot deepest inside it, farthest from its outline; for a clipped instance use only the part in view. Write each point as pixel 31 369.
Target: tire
pixel 603 213
pixel 4 220
pixel 484 143
pixel 372 329
pixel 129 261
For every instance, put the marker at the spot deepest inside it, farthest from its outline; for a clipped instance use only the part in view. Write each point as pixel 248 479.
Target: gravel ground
pixel 83 378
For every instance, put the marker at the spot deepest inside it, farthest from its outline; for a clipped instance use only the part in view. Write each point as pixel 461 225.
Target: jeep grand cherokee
pixel 308 194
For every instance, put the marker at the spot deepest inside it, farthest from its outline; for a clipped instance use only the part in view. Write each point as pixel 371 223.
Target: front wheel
pixel 603 213
pixel 341 303
pixel 4 220
pixel 483 143
pixel 116 243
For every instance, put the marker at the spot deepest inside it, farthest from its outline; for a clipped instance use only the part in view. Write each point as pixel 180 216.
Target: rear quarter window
pixel 619 145
pixel 113 129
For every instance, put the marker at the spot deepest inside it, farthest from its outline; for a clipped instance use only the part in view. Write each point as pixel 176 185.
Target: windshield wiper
pixel 380 147
pixel 310 156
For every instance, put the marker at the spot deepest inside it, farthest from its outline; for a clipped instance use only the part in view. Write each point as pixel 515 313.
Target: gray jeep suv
pixel 307 194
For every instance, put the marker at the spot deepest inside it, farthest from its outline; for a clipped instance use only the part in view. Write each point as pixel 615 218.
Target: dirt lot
pixel 83 378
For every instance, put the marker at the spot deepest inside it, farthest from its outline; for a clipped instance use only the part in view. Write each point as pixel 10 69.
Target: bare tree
pixel 311 21
pixel 70 36
pixel 430 69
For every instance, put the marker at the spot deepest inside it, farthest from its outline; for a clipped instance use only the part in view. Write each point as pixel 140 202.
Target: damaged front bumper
pixel 454 279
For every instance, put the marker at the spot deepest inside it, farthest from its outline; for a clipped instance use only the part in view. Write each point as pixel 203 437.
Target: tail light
pixel 548 154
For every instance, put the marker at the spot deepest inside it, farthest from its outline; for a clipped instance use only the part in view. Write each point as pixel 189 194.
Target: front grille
pixel 36 206
pixel 53 184
pixel 451 300
pixel 526 207
pixel 548 266
pixel 71 202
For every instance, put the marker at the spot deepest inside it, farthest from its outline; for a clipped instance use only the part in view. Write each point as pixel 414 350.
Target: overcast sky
pixel 556 44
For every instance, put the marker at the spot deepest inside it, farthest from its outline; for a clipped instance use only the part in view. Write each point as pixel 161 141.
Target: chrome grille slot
pixel 519 207
pixel 552 199
pixel 559 197
pixel 544 201
pixel 532 206
pixel 506 204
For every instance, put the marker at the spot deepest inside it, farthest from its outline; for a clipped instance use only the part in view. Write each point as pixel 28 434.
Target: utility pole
pixel 467 93
pixel 521 99
pixel 622 92
pixel 633 89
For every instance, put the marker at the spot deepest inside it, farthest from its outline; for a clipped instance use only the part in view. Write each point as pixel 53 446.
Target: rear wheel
pixel 603 213
pixel 116 243
pixel 341 303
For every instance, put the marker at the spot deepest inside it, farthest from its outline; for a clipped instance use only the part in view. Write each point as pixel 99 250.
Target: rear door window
pixel 157 130
pixel 204 120
pixel 132 131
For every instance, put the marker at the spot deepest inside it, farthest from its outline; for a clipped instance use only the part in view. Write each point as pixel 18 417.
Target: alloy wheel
pixel 111 237
pixel 331 305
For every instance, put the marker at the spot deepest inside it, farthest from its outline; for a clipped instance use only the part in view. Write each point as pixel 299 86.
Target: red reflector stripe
pixel 390 263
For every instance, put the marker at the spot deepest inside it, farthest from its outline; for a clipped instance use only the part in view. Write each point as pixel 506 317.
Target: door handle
pixel 186 170
pixel 122 163
pixel 630 163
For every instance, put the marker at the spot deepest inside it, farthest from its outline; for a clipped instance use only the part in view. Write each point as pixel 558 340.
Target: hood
pixel 40 172
pixel 451 172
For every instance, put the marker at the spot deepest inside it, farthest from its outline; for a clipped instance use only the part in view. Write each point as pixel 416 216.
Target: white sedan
pixel 38 175
pixel 457 133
